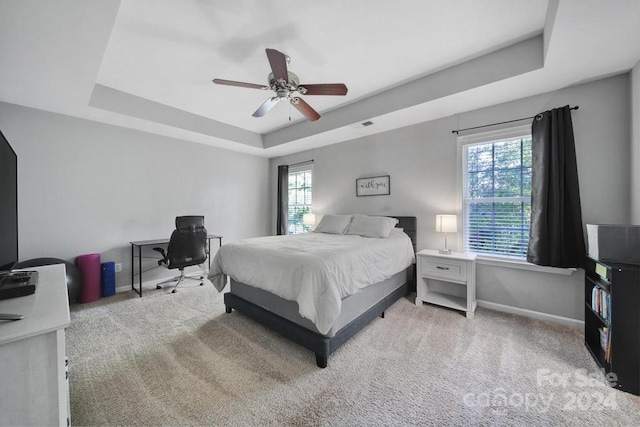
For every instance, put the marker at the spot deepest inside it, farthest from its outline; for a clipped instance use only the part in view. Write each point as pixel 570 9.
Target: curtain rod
pixel 457 131
pixel 302 163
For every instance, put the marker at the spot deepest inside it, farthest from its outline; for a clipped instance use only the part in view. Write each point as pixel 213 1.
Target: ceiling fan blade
pixel 278 62
pixel 241 84
pixel 305 109
pixel 266 106
pixel 324 89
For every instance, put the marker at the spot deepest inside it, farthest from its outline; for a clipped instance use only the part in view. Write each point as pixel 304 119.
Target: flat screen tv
pixel 8 205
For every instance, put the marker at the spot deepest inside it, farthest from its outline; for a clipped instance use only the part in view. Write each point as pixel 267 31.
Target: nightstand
pixel 448 280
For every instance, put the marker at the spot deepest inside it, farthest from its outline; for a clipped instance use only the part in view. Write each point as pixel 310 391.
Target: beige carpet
pixel 179 359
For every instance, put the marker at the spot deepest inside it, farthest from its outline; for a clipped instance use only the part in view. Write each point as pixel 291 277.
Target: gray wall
pixel 635 144
pixel 425 180
pixel 86 187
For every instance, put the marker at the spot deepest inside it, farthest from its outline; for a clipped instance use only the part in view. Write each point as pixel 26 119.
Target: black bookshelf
pixel 615 308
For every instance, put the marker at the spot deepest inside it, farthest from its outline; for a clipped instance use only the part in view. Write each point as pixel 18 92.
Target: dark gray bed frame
pixel 322 345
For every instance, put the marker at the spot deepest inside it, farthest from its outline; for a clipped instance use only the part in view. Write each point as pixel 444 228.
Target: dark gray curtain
pixel 282 222
pixel 556 237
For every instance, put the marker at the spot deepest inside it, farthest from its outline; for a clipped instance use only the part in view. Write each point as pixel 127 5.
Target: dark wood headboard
pixel 409 226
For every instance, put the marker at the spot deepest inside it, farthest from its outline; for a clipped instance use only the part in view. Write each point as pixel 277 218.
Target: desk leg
pixel 133 269
pixel 140 269
pixel 132 272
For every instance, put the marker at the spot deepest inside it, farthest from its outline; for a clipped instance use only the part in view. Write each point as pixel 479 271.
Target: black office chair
pixel 187 247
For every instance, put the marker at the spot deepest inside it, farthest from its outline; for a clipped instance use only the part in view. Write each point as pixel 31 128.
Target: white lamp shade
pixel 309 219
pixel 446 223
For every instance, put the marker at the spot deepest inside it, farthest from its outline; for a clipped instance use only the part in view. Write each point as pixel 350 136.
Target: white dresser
pixel 448 280
pixel 34 388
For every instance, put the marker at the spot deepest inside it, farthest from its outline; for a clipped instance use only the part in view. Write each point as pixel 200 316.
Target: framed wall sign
pixel 373 186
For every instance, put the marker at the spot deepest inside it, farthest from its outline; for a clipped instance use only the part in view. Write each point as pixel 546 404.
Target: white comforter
pixel 316 270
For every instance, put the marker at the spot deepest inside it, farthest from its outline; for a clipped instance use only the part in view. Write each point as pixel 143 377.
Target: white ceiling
pixel 148 64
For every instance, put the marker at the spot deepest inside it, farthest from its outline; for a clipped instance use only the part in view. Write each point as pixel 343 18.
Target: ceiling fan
pixel 285 84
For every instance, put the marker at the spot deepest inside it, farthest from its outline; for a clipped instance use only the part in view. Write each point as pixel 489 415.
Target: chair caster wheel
pixel 201 283
pixel 158 287
pixel 174 291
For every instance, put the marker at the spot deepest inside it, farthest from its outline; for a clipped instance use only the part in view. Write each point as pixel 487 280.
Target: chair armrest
pixel 164 259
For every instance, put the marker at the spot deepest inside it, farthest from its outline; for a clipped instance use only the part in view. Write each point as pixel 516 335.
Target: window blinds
pixel 497 196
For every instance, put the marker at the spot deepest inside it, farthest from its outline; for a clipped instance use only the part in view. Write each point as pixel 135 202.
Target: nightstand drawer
pixel 447 269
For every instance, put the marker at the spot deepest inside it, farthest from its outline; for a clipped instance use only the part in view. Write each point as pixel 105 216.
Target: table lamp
pixel 446 224
pixel 309 219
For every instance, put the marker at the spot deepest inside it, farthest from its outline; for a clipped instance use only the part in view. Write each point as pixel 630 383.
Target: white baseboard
pixel 574 323
pixel 123 288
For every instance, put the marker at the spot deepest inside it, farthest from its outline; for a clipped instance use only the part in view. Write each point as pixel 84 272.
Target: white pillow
pixel 333 224
pixel 371 226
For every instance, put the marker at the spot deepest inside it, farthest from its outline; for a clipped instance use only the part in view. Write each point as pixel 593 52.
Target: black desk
pixel 142 243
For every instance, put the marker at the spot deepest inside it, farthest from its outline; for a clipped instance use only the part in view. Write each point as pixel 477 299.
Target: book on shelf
pixel 605 342
pixel 601 303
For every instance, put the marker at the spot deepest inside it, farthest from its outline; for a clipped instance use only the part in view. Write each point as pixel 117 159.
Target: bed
pixel 328 300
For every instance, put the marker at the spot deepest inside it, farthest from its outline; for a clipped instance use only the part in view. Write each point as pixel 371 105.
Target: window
pixel 300 192
pixel 496 192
